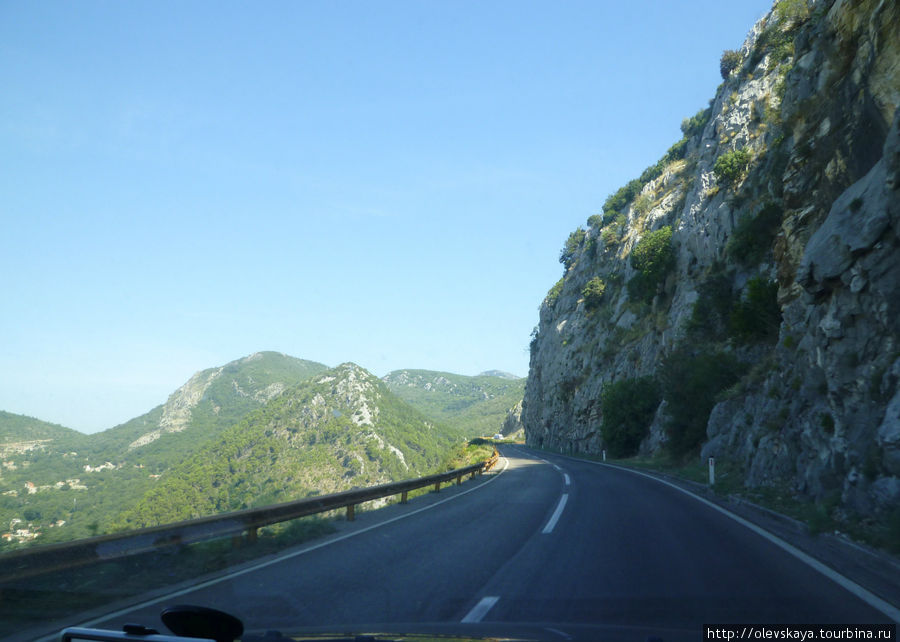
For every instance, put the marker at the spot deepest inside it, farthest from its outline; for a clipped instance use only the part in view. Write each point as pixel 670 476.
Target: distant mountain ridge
pixel 213 399
pixel 500 374
pixel 21 428
pixel 343 428
pixel 474 405
pixel 80 480
pixel 263 428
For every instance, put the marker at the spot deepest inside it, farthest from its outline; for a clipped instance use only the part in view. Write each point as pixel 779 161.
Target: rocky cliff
pixel 742 297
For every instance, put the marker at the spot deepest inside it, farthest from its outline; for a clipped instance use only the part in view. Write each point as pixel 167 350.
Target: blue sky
pixel 389 183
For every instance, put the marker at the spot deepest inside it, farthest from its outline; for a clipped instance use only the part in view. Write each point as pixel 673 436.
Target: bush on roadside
pixel 628 407
pixel 690 384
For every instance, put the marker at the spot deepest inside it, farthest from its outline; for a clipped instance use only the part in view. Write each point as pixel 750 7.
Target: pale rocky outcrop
pixel 820 408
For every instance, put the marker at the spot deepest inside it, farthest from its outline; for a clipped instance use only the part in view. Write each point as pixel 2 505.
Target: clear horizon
pixel 383 183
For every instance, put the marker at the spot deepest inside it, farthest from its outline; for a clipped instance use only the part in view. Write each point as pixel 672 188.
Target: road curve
pixel 562 547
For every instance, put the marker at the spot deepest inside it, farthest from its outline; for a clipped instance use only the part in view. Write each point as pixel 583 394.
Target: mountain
pixel 500 374
pixel 341 429
pixel 69 487
pixel 19 432
pixel 210 401
pixel 741 298
pixel 474 405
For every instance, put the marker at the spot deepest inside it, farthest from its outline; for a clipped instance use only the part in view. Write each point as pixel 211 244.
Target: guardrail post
pixel 242 526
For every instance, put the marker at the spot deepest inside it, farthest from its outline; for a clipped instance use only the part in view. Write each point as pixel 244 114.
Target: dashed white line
pixel 480 610
pixel 568 481
pixel 556 514
pixel 557 467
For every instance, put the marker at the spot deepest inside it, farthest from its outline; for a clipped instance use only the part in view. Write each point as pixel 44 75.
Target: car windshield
pixel 514 319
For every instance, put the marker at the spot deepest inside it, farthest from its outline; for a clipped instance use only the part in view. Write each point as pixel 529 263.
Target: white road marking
pixel 277 560
pixel 556 514
pixel 568 481
pixel 480 610
pixel 865 595
pixel 557 467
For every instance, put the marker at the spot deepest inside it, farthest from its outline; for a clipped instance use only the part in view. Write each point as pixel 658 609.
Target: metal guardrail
pixel 37 560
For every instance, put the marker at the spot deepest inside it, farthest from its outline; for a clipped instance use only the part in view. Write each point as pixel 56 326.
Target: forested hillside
pixel 340 430
pixel 67 485
pixel 262 429
pixel 19 429
pixel 475 405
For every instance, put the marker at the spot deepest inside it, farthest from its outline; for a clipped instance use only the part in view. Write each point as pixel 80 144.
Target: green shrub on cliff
pixel 757 315
pixel 690 384
pixel 753 236
pixel 593 292
pixel 712 309
pixel 570 249
pixel 553 293
pixel 729 62
pixel 628 407
pixel 694 125
pixel 729 167
pixel 653 257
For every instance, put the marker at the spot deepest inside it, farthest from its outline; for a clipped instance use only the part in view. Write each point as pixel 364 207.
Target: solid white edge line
pixel 276 560
pixel 864 594
pixel 556 514
pixel 480 610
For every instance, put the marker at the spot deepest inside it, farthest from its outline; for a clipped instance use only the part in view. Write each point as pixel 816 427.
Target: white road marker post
pixel 603 453
pixel 712 471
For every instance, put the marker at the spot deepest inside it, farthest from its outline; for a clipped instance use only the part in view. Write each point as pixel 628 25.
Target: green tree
pixel 729 62
pixel 753 236
pixel 593 292
pixel 694 125
pixel 554 292
pixel 595 221
pixel 729 167
pixel 653 257
pixel 570 249
pixel 690 384
pixel 757 315
pixel 628 407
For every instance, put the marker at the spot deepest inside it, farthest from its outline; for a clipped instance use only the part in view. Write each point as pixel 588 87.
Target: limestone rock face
pixel 814 212
pixel 513 422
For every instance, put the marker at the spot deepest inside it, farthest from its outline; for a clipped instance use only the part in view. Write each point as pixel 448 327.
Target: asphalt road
pixel 566 548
